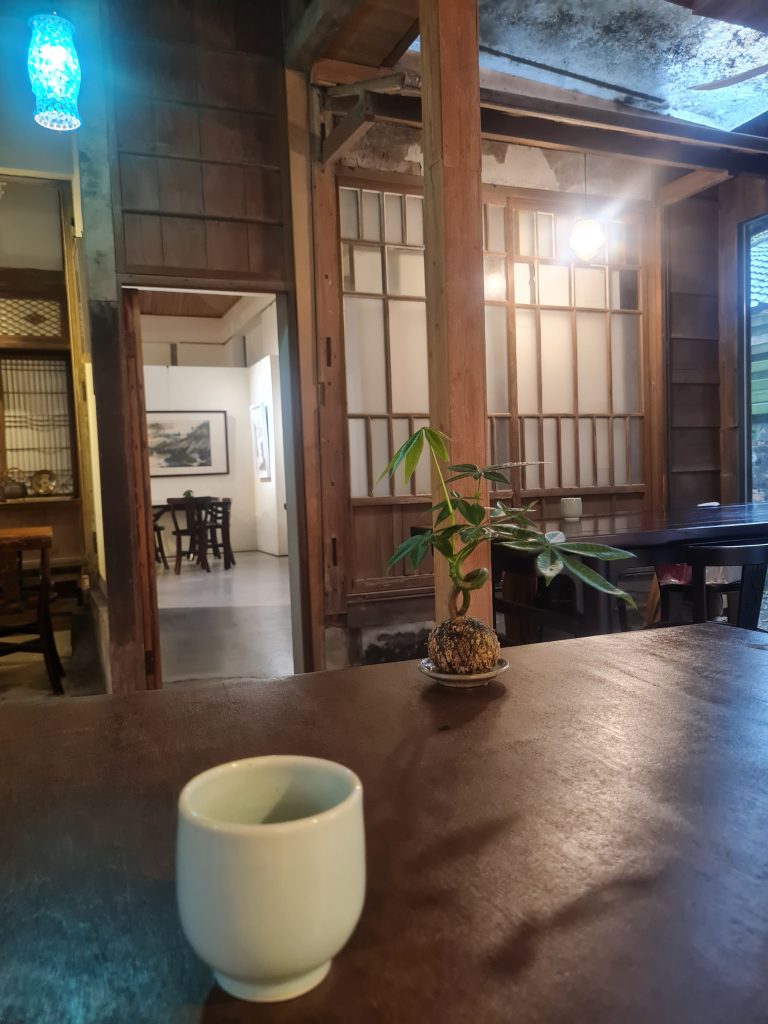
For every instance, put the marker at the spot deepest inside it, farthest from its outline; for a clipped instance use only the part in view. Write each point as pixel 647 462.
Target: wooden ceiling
pixel 186 304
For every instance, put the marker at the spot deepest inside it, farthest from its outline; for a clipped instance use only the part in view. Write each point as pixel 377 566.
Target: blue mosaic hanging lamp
pixel 54 71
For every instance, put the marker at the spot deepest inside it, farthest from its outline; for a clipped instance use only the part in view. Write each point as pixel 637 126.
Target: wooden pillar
pixel 454 247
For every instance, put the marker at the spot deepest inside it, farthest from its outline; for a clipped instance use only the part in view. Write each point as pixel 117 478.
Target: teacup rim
pixel 268 828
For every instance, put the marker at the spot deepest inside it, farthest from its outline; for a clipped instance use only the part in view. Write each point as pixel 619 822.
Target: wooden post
pixel 454 248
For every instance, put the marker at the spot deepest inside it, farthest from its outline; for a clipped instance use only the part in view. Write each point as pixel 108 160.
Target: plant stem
pixel 444 488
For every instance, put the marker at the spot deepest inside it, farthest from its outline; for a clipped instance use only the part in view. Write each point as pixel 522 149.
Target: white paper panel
pixel 348 213
pixel 496 370
pixel 625 363
pixel 563 227
pixel 586 454
pixel 554 285
pixel 556 362
pixel 624 290
pixel 617 241
pixel 531 453
pixel 393 217
pixel 620 452
pixel 364 355
pixel 346 267
pixel 423 473
pixel 358 459
pixel 545 235
pixel 526 245
pixel 494 234
pixel 568 453
pixel 636 450
pixel 408 356
pixel 551 453
pixel 495 277
pixel 589 285
pixel 400 433
pixel 372 215
pixel 525 283
pixel 603 472
pixel 366 261
pixel 405 271
pixel 527 362
pixel 414 220
pixel 592 354
pixel 381 456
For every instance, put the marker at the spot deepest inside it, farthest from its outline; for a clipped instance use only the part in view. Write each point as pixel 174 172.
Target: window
pixel 385 334
pixel 756 362
pixel 564 350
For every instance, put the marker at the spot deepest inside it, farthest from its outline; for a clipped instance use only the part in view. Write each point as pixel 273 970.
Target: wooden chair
pixel 25 599
pixel 219 514
pixel 195 528
pixel 753 561
pixel 158 511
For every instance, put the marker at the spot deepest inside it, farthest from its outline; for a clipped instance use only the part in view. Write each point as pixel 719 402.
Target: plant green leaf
pixel 549 565
pixel 601 551
pixel 408 545
pixel 474 514
pixel 594 579
pixel 467 468
pixel 436 443
pixel 495 476
pixel 413 455
pixel 402 451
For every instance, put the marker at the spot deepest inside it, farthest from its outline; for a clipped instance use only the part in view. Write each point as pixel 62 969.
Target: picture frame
pixel 187 442
pixel 260 438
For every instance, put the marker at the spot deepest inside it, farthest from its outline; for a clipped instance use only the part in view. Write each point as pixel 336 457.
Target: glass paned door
pixel 756 359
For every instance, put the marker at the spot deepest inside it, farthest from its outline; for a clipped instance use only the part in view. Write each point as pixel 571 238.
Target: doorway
pixel 214 427
pixel 755 349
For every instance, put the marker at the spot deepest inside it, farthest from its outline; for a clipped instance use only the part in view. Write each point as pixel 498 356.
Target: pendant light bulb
pixel 587 238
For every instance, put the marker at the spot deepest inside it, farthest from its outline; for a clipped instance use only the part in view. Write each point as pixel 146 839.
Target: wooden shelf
pixel 53 500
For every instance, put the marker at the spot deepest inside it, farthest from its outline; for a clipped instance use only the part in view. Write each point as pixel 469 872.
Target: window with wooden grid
pixel 385 334
pixel 564 349
pixel 36 426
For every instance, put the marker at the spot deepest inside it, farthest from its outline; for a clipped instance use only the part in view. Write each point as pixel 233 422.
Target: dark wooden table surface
pixel 585 844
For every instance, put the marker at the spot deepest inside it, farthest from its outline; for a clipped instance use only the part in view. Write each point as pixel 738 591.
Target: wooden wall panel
pixel 200 137
pixel 692 353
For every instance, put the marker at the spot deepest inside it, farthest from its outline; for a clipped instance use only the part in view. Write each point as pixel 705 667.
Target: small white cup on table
pixel 270 871
pixel 570 508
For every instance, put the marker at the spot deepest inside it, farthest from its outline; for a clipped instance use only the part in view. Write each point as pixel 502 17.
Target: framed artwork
pixel 185 443
pixel 260 435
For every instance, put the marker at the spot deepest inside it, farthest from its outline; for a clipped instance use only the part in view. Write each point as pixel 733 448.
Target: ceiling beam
pixel 348 130
pixel 690 185
pixel 402 45
pixel 318 25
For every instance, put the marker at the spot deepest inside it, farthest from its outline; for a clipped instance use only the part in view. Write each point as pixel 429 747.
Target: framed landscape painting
pixel 187 443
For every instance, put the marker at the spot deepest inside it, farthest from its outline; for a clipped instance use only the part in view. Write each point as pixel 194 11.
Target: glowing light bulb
pixel 495 286
pixel 54 72
pixel 587 238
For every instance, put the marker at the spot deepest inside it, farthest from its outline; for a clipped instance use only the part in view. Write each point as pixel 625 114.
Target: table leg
pixel 597 606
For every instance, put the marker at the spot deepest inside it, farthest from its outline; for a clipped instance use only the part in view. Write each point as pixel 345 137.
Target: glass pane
pixel 393 217
pixel 408 356
pixel 414 220
pixel 364 355
pixel 586 454
pixel 346 268
pixel 496 373
pixel 405 271
pixel 556 362
pixel 617 242
pixel 525 283
pixel 526 244
pixel 531 454
pixel 348 213
pixel 502 450
pixel 372 215
pixel 636 451
pixel 527 361
pixel 381 455
pixel 619 452
pixel 495 277
pixel 358 460
pixel 589 284
pixel 624 290
pixel 551 453
pixel 592 356
pixel 400 431
pixel 567 453
pixel 625 363
pixel 423 475
pixel 495 239
pixel 563 227
pixel 545 235
pixel 366 269
pixel 554 285
pixel 603 453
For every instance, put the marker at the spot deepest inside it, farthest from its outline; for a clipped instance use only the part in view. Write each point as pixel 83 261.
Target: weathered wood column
pixel 454 246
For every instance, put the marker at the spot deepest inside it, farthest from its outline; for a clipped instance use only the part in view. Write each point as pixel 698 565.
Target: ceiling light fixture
pixel 587 236
pixel 54 72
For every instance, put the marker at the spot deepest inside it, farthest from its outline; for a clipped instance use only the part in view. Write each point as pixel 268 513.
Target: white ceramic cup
pixel 570 508
pixel 270 871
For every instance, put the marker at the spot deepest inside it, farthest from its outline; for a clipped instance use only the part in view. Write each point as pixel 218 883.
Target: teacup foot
pixel 277 992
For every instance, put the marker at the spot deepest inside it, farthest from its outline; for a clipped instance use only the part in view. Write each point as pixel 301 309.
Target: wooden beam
pixel 341 72
pixel 690 185
pixel 454 249
pixel 394 82
pixel 351 128
pixel 402 45
pixel 321 21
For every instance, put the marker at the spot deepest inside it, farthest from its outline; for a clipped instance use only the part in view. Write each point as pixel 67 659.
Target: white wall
pixel 271 518
pixel 228 388
pixel 30 224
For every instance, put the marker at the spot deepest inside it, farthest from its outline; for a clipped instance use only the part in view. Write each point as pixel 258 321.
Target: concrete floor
pixel 226 624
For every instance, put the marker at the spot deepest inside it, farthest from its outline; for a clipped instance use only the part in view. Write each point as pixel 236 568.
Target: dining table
pixel 581 840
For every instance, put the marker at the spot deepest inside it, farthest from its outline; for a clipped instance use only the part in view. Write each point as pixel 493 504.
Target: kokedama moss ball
pixel 463 646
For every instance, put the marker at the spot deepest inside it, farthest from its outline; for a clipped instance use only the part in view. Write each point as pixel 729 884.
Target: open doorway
pixel 218 480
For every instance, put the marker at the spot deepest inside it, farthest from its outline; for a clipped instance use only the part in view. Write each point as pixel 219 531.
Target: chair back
pixel 195 512
pixel 753 561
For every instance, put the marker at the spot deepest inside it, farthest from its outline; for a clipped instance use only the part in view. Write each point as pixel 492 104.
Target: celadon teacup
pixel 270 871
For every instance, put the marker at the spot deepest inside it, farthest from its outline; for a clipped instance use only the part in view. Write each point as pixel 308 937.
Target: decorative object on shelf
pixel 187 443
pixel 452 681
pixel 43 482
pixel 260 437
pixel 188 494
pixel 463 647
pixel 570 509
pixel 587 236
pixel 14 485
pixel 54 72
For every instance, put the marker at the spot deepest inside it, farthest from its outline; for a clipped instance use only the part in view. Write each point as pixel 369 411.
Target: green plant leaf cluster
pixel 461 523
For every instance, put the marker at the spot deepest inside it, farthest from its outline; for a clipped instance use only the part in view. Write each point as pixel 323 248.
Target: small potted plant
pixel 462 650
